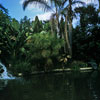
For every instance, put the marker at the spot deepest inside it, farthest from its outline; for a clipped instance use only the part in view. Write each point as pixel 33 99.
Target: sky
pixel 16 10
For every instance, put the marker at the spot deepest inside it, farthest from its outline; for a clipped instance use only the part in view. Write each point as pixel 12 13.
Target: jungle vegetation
pixel 27 46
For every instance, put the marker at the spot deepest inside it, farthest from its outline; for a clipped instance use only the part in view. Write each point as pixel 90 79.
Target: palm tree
pixel 98 3
pixel 56 4
pixel 52 23
pixel 43 4
pixel 3 8
pixel 62 7
pixel 40 3
pixel 46 6
pixel 65 8
pixel 60 11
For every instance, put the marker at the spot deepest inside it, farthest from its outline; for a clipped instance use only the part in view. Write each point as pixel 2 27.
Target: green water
pixel 66 86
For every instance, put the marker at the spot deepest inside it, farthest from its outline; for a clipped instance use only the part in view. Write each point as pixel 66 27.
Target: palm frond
pixel 52 15
pixel 40 3
pixel 3 8
pixel 78 2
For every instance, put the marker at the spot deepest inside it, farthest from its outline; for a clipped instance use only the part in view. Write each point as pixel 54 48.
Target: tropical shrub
pixel 21 66
pixel 76 65
pixel 43 49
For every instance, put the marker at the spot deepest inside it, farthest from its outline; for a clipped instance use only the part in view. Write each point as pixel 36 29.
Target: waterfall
pixel 4 74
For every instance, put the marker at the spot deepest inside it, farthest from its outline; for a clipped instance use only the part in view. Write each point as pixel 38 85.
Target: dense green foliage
pixel 39 53
pixel 44 49
pixel 27 46
pixel 86 35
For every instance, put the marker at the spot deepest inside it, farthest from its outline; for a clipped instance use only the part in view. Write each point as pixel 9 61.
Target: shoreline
pixel 87 69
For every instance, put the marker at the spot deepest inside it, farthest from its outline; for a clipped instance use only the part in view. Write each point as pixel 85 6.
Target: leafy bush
pixel 93 64
pixel 21 67
pixel 43 48
pixel 76 65
pixel 99 66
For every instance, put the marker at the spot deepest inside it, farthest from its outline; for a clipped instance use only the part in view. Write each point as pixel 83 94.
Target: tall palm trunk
pixel 62 28
pixel 70 32
pixel 68 47
pixel 99 5
pixel 52 27
pixel 70 24
pixel 57 23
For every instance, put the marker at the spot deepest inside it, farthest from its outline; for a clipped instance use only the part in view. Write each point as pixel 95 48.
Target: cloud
pixel 21 2
pixel 90 1
pixel 29 7
pixel 37 11
pixel 44 16
pixel 87 1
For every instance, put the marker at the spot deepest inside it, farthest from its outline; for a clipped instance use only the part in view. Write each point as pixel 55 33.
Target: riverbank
pixel 86 69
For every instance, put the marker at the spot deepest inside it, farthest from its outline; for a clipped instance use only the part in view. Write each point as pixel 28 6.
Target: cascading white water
pixel 5 74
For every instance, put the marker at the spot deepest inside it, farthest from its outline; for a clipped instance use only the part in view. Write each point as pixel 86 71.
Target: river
pixel 59 86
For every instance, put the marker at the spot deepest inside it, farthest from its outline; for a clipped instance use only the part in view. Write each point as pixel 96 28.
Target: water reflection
pixel 3 84
pixel 94 85
pixel 67 86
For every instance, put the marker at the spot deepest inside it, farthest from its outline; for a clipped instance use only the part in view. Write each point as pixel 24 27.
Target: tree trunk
pixel 57 24
pixel 67 39
pixel 99 5
pixel 70 32
pixel 70 24
pixel 52 23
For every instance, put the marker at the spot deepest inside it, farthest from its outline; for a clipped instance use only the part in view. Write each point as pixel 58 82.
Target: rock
pixel 1 71
pixel 93 64
pixel 20 74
